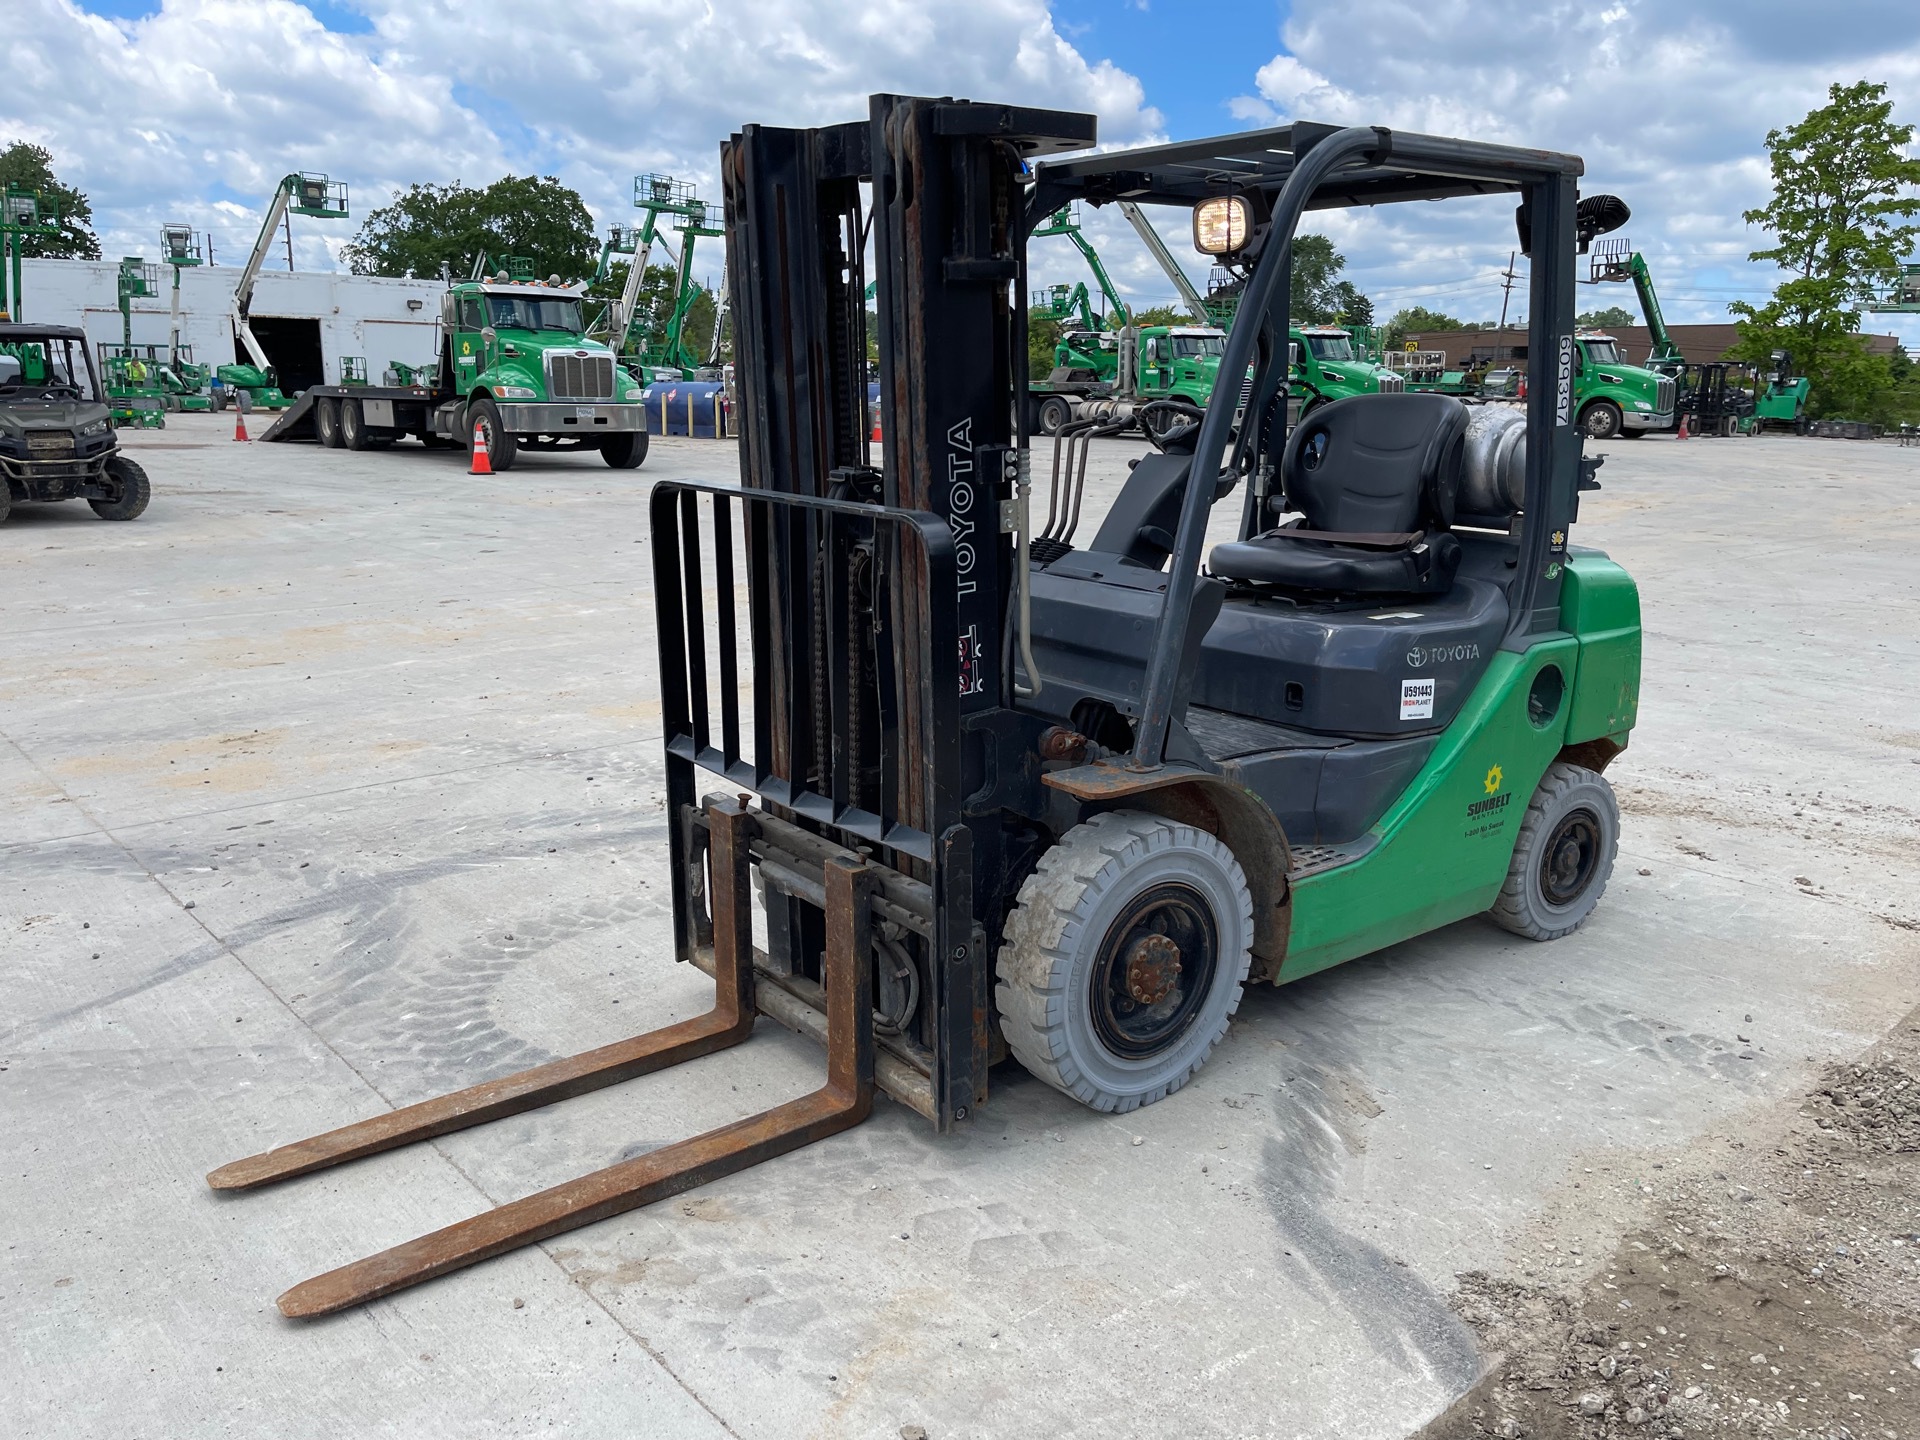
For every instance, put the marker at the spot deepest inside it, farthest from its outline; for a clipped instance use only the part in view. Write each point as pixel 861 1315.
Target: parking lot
pixel 333 782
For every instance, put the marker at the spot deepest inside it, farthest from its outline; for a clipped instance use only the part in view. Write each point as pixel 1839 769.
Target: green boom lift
pixel 188 386
pixel 23 214
pixel 131 373
pixel 301 194
pixel 667 349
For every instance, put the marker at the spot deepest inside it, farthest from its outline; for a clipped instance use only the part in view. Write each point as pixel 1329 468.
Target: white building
pixel 305 322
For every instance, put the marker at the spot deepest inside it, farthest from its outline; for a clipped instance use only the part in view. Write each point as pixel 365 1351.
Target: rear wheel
pixel 1123 959
pixel 483 419
pixel 353 425
pixel 1055 411
pixel 1601 420
pixel 626 450
pixel 326 423
pixel 243 401
pixel 219 401
pixel 130 488
pixel 1561 862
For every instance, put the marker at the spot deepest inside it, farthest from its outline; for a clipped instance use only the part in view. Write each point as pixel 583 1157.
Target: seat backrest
pixel 1377 463
pixel 1140 527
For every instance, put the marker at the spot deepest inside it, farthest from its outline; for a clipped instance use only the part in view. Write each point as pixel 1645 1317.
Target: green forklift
pixel 939 794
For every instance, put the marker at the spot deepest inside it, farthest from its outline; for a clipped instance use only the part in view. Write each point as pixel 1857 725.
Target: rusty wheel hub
pixel 1153 968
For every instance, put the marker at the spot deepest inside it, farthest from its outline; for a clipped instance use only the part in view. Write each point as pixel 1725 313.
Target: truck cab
pixel 1326 367
pixel 1180 362
pixel 1613 397
pixel 516 362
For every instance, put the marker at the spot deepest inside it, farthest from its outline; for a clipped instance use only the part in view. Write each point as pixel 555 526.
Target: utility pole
pixel 1506 288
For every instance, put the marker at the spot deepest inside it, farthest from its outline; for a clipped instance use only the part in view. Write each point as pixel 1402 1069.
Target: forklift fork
pixel 843 1102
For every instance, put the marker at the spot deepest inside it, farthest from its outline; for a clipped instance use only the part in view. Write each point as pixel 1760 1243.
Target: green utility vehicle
pixel 516 370
pixel 56 433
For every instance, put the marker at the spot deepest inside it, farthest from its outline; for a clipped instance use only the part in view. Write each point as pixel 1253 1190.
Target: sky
pixel 190 110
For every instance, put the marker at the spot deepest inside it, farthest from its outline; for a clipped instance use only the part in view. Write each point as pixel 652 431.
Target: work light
pixel 1221 225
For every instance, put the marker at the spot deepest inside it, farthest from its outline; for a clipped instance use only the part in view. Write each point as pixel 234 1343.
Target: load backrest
pixel 1377 464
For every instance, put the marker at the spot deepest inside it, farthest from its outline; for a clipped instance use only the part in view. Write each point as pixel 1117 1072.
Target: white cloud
pixel 1668 106
pixel 211 100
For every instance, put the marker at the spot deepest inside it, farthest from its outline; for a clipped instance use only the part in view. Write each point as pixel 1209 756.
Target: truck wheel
pixel 326 422
pixel 1055 412
pixel 1123 959
pixel 1601 420
pixel 353 425
pixel 626 450
pixel 483 417
pixel 132 490
pixel 1568 839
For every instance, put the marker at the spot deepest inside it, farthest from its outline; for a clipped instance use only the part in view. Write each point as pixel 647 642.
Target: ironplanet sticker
pixel 1416 699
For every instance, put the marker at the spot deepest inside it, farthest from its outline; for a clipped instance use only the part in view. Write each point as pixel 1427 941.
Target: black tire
pixel 1055 412
pixel 626 450
pixel 243 401
pixel 1125 903
pixel 484 416
pixel 353 425
pixel 326 422
pixel 1563 856
pixel 1802 426
pixel 6 499
pixel 219 401
pixel 133 490
pixel 1601 420
pixel 1634 434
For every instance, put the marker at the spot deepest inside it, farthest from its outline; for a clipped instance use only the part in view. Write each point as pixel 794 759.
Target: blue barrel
pixel 697 408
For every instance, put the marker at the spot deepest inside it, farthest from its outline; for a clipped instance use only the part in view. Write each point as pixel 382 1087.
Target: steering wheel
pixel 1172 426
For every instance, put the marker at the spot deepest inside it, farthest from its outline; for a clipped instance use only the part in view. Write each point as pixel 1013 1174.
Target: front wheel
pixel 131 491
pixel 1561 862
pixel 1123 959
pixel 483 419
pixel 1056 411
pixel 626 450
pixel 243 401
pixel 1601 420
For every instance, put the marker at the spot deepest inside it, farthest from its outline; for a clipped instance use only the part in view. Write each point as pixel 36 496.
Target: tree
pixel 1843 189
pixel 1165 315
pixel 31 168
pixel 1318 295
pixel 1611 318
pixel 1418 320
pixel 429 230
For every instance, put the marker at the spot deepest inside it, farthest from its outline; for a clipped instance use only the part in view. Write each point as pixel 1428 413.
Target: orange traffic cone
pixel 1683 430
pixel 240 427
pixel 481 464
pixel 875 437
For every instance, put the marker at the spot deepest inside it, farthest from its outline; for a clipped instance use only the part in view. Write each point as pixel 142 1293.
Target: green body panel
pixel 1443 847
pixel 1783 404
pixel 1600 604
pixel 1334 379
pixel 1170 376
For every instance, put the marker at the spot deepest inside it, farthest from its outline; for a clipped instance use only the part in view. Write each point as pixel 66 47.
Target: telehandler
pixel 998 792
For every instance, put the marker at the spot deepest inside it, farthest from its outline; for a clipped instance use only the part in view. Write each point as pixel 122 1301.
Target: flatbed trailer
pixel 372 417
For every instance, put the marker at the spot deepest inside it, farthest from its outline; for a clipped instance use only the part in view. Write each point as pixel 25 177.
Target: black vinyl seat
pixel 1375 477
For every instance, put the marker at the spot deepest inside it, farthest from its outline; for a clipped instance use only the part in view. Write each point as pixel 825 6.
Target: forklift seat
pixel 1375 477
